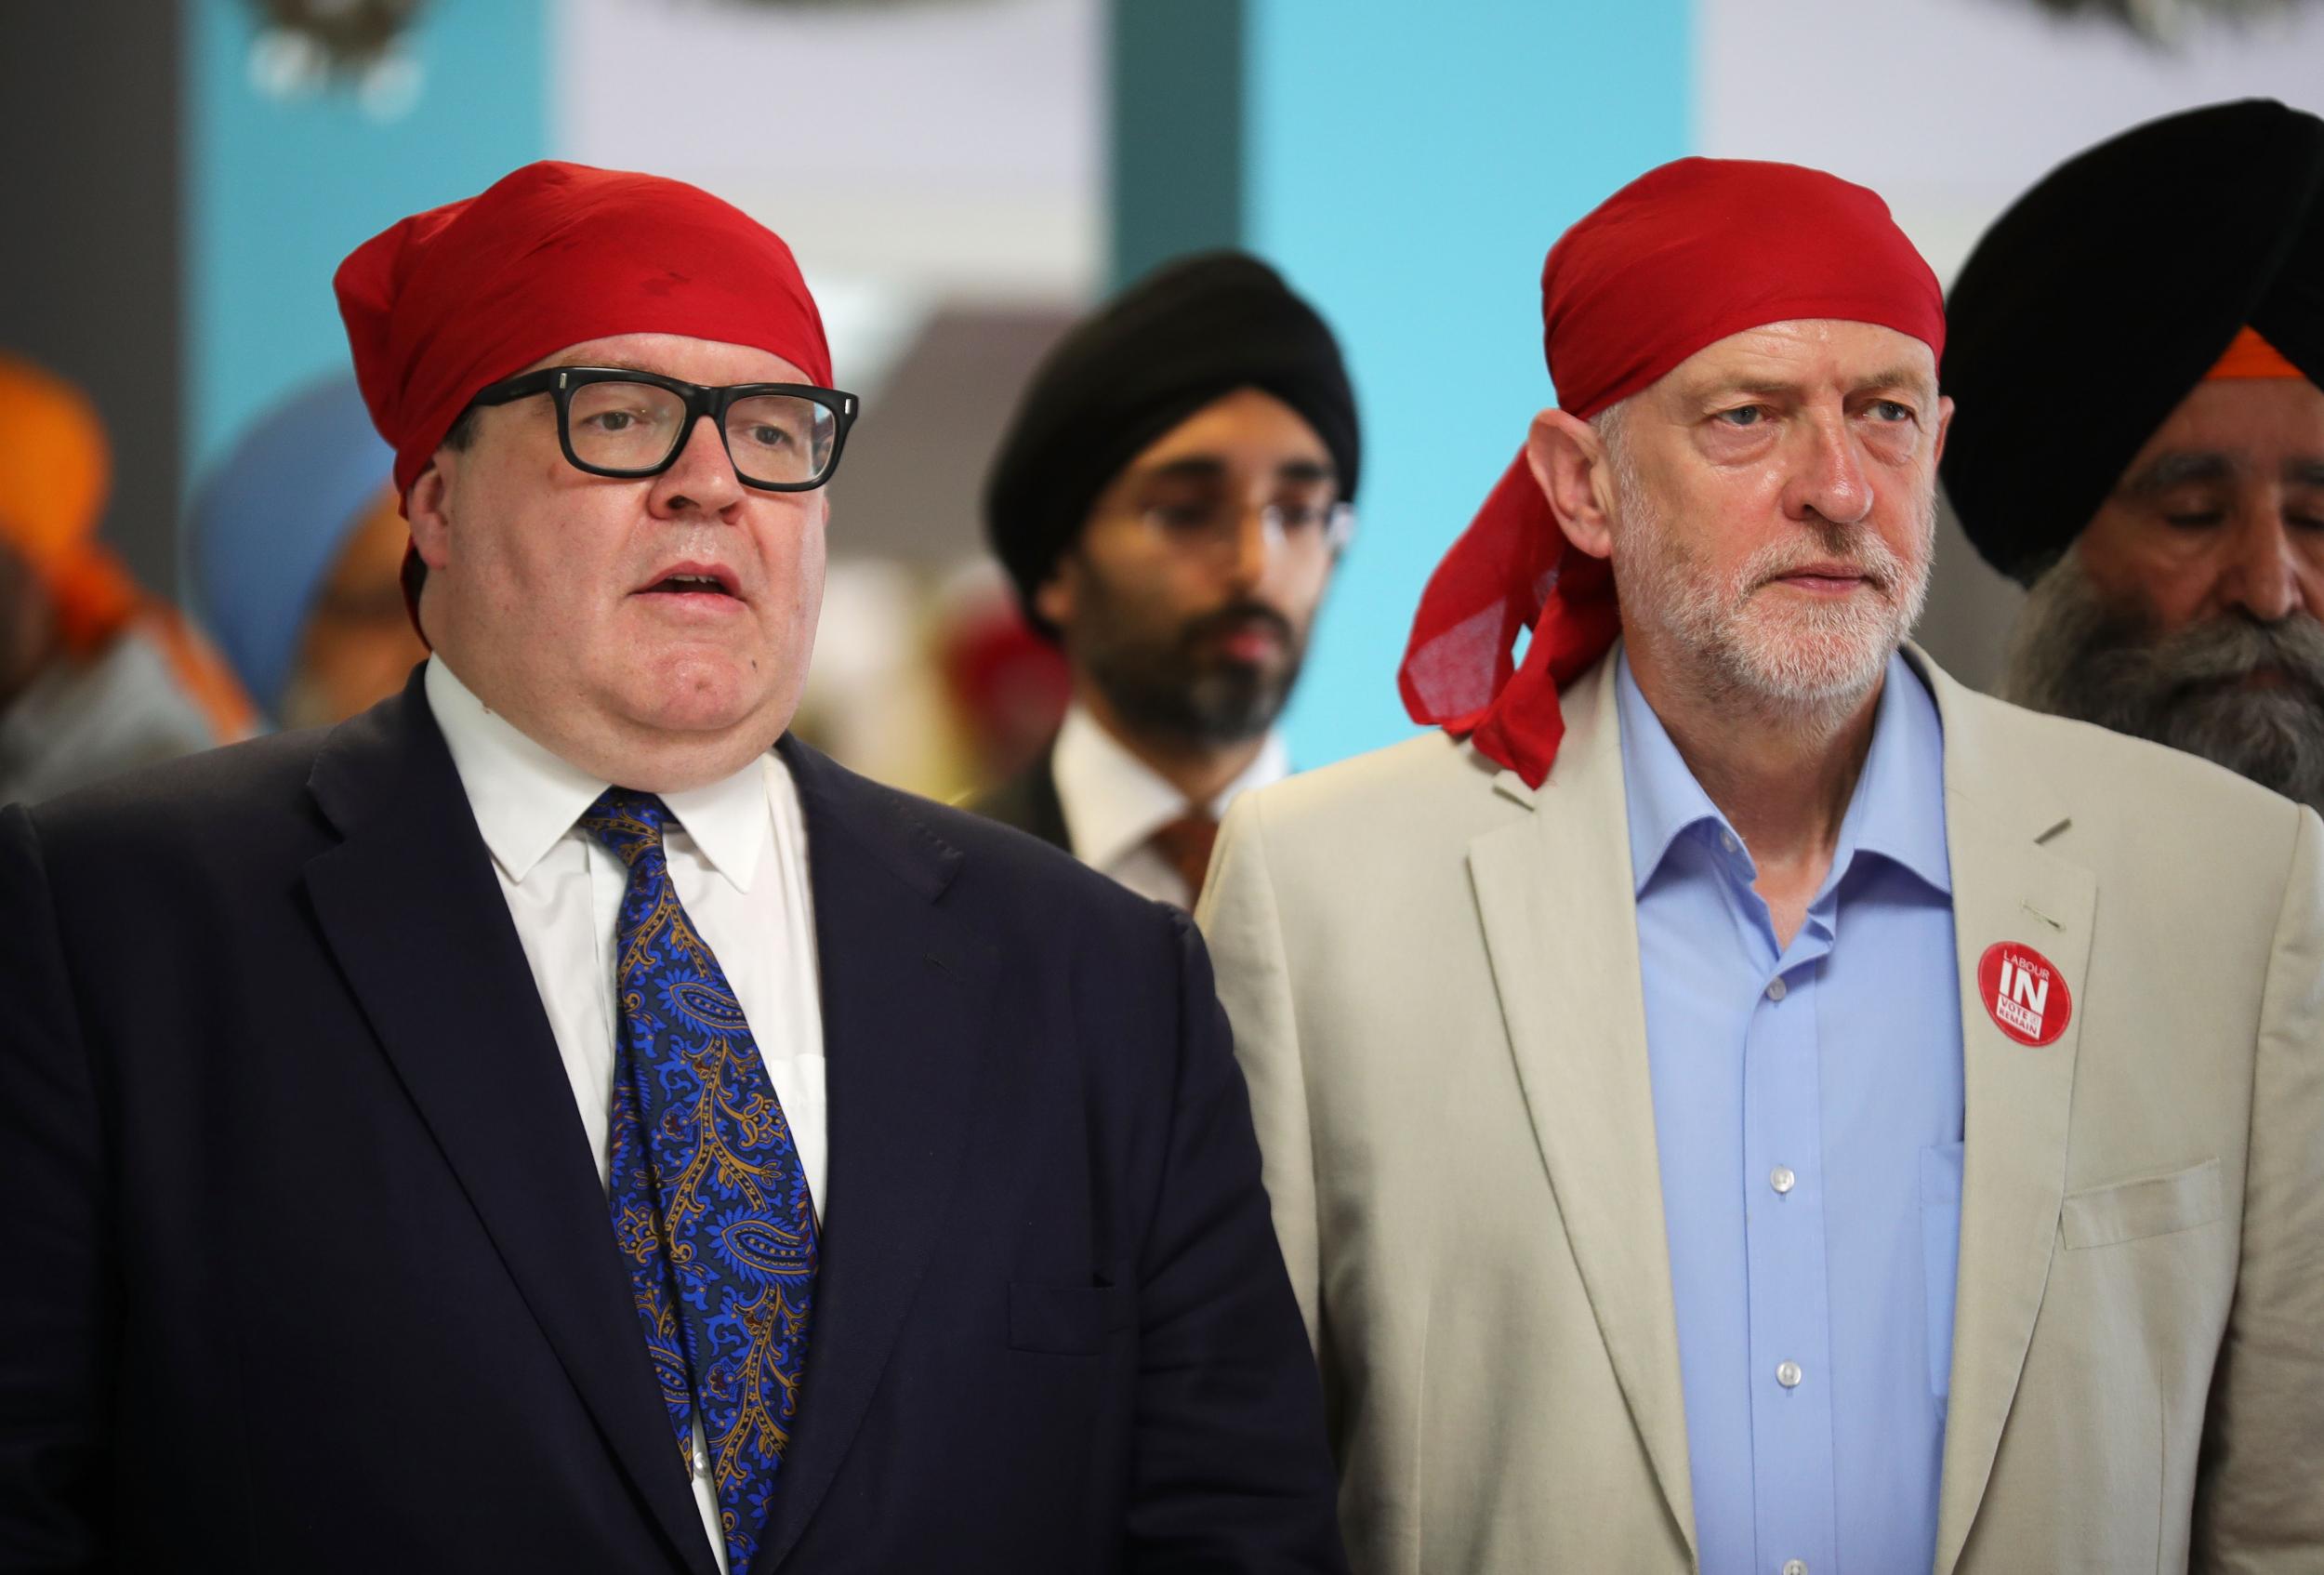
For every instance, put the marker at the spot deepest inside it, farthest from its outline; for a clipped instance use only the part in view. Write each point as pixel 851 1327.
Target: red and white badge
pixel 2024 993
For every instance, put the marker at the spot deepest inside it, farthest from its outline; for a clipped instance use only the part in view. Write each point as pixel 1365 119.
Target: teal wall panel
pixel 277 190
pixel 1408 166
pixel 1178 98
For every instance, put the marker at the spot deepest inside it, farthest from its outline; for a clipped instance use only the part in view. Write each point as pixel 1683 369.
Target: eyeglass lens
pixel 1215 522
pixel 776 438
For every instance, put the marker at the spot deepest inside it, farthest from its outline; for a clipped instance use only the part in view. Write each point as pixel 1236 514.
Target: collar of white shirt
pixel 525 797
pixel 1114 801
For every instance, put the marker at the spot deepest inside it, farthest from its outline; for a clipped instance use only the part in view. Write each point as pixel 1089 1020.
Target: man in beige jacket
pixel 1735 1100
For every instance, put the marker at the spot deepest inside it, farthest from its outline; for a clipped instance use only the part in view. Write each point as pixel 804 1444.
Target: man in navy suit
pixel 556 1121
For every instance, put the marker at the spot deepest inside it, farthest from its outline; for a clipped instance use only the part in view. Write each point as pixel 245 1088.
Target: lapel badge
pixel 2023 993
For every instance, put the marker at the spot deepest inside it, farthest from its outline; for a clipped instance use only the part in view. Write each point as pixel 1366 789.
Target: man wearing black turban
pixel 2139 435
pixel 1170 501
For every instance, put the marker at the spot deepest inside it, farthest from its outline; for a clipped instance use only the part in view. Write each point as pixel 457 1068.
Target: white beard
pixel 1743 640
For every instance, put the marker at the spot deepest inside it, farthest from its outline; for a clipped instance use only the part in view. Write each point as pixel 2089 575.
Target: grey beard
pixel 2075 653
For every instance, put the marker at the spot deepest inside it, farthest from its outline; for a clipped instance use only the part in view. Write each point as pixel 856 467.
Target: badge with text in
pixel 2024 993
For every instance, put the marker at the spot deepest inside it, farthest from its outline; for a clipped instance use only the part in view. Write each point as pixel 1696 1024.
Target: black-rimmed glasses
pixel 614 421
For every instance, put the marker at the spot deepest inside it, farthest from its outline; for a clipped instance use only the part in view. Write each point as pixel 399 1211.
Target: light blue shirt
pixel 1808 1116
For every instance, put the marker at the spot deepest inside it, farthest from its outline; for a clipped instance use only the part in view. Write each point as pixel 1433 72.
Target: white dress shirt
pixel 738 859
pixel 1114 803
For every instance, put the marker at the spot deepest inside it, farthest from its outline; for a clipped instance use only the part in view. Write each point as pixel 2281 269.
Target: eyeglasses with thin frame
pixel 1214 526
pixel 617 421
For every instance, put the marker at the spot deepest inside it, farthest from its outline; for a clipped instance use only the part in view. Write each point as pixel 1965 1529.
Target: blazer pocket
pixel 2104 1215
pixel 1065 1320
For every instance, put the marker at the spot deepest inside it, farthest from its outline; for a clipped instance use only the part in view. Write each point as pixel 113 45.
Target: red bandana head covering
pixel 447 303
pixel 1681 258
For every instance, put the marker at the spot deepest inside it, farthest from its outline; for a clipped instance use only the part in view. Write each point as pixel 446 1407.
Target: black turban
pixel 1186 334
pixel 2099 300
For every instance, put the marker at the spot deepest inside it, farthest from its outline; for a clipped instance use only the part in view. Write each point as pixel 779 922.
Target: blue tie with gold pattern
pixel 710 1200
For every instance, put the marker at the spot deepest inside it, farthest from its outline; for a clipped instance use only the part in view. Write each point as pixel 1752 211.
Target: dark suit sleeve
pixel 57 1301
pixel 1232 1469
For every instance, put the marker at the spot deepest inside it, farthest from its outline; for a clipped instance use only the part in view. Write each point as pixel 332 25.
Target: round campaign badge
pixel 2024 992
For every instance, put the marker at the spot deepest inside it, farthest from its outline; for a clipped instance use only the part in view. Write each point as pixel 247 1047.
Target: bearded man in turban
pixel 563 1123
pixel 96 676
pixel 2137 348
pixel 1171 500
pixel 1733 1099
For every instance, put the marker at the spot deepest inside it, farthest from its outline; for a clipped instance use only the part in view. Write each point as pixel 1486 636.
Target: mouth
pixel 1823 579
pixel 1253 639
pixel 705 583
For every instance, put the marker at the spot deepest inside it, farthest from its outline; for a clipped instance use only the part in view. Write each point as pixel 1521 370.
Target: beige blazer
pixel 1432 973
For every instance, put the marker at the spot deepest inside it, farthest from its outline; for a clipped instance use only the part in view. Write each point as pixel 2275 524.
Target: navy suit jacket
pixel 309 1268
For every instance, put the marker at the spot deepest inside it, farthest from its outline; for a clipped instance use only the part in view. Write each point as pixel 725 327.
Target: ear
pixel 1569 464
pixel 1055 597
pixel 429 509
pixel 1943 425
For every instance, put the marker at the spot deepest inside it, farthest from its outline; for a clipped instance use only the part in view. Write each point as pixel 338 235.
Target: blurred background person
pixel 96 676
pixel 1171 500
pixel 2136 353
pixel 1008 683
pixel 296 556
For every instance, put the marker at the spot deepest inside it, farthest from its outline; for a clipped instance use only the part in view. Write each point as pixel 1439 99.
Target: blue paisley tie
pixel 710 1200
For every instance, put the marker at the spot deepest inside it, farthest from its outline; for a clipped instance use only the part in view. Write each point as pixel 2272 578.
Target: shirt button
pixel 1777 990
pixel 1727 840
pixel 702 1461
pixel 1789 1374
pixel 1781 1178
pixel 1795 1566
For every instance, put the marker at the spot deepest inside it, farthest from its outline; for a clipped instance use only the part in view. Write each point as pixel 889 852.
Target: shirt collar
pixel 1897 809
pixel 1113 800
pixel 525 797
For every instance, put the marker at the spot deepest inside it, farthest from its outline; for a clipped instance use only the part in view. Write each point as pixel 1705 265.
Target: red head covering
pixel 447 303
pixel 1681 258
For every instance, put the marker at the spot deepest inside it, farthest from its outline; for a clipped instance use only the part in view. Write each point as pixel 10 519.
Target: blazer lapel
pixel 409 906
pixel 903 992
pixel 2017 1098
pixel 1555 891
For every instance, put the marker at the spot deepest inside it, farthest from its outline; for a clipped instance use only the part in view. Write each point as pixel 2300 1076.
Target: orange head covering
pixel 2250 356
pixel 56 473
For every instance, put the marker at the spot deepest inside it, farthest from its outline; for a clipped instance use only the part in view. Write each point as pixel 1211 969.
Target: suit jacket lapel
pixel 1555 891
pixel 2017 1098
pixel 903 988
pixel 408 904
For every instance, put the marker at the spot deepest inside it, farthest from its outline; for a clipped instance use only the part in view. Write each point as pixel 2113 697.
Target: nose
pixel 702 479
pixel 1831 482
pixel 2261 573
pixel 1256 533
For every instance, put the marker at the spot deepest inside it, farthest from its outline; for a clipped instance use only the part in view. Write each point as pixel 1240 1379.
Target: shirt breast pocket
pixel 1066 1321
pixel 1940 1257
pixel 2102 1216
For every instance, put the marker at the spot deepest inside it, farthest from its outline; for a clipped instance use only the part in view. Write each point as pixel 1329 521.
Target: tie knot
pixel 627 821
